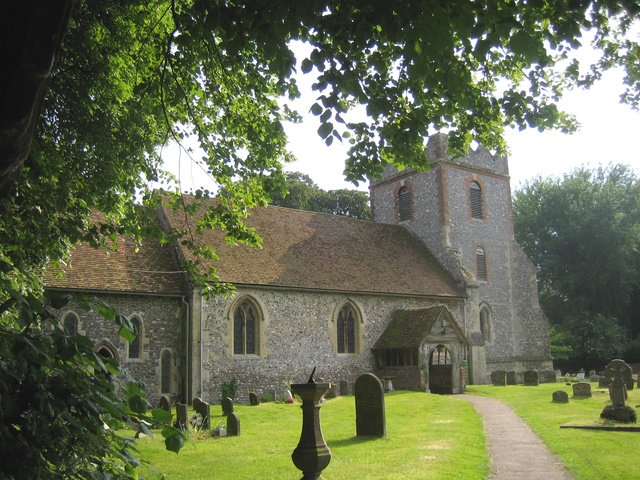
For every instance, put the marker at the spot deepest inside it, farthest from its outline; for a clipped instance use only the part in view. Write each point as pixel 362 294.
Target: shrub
pixel 230 388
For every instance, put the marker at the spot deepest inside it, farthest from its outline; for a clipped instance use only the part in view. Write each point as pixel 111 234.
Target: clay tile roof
pixel 408 328
pixel 152 270
pixel 327 252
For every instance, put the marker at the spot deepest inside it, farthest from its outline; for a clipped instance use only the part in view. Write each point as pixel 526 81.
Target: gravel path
pixel 515 452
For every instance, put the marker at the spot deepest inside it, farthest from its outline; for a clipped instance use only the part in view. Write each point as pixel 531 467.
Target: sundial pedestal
pixel 312 455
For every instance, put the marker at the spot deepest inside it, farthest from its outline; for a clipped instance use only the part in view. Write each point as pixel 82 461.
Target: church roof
pixel 153 269
pixel 319 251
pixel 408 328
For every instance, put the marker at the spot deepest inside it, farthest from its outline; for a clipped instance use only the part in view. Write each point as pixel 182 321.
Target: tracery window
pixel 346 326
pixel 440 356
pixel 70 323
pixel 245 329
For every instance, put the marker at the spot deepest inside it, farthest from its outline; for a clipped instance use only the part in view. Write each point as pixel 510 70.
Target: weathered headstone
pixel 603 381
pixel 165 403
pixel 344 387
pixel 594 378
pixel 582 389
pixel 512 377
pixel 370 410
pixel 560 396
pixel 182 415
pixel 227 406
pixel 253 398
pixel 499 377
pixel 558 373
pixel 233 424
pixel 630 384
pixel 592 373
pixel 204 409
pixel 331 393
pixel 531 378
pixel 618 372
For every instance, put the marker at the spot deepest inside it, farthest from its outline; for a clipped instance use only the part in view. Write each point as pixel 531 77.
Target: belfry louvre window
pixel 404 204
pixel 481 264
pixel 244 329
pixel 475 197
pixel 346 331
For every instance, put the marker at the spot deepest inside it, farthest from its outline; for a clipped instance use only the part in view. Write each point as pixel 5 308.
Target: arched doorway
pixel 440 370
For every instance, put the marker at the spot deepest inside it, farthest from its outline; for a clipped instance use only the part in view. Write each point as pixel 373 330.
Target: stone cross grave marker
pixel 618 373
pixel 227 406
pixel 233 424
pixel 370 411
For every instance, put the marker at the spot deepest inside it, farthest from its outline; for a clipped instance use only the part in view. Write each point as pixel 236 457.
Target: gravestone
pixel 560 396
pixel 558 373
pixel 227 406
pixel 618 373
pixel 630 384
pixel 499 377
pixel 512 377
pixel 582 389
pixel 253 398
pixel 331 393
pixel 233 424
pixel 344 387
pixel 531 378
pixel 165 403
pixel 182 416
pixel 204 409
pixel 603 381
pixel 594 378
pixel 592 373
pixel 370 410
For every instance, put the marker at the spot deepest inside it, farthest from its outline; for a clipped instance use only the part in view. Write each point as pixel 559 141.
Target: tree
pixel 133 75
pixel 304 194
pixel 583 233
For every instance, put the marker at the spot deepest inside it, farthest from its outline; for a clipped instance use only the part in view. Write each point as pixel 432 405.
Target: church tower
pixel 461 209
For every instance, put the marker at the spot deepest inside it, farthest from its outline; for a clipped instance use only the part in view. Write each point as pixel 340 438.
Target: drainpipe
pixel 201 330
pixel 186 353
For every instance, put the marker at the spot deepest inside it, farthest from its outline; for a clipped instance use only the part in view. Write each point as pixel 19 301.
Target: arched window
pixel 440 356
pixel 475 199
pixel 166 359
pixel 245 329
pixel 70 323
pixel 346 330
pixel 481 264
pixel 135 346
pixel 485 323
pixel 404 204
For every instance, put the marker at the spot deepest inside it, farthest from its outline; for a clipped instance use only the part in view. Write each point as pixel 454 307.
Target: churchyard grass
pixel 588 454
pixel 428 437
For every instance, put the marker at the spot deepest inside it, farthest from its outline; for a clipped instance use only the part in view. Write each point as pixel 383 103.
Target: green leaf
pixel 174 443
pixel 306 65
pixel 325 129
pixel 138 404
pixel 106 310
pixel 127 334
pixel 162 416
pixel 316 109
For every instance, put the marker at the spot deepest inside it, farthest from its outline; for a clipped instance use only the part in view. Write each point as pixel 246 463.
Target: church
pixel 432 293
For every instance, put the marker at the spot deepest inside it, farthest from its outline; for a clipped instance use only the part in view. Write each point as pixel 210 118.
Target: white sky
pixel 608 134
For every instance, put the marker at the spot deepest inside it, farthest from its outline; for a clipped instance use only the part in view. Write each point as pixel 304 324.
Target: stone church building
pixel 434 292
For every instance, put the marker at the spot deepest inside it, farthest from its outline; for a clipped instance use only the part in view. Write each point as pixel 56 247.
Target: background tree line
pixel 582 231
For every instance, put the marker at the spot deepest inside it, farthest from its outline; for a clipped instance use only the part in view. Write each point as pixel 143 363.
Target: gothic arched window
pixel 245 329
pixel 485 323
pixel 346 330
pixel 70 323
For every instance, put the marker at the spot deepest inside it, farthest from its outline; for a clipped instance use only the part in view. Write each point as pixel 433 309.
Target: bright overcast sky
pixel 608 135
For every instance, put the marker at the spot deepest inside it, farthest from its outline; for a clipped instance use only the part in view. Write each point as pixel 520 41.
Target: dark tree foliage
pixel 583 234
pixel 304 194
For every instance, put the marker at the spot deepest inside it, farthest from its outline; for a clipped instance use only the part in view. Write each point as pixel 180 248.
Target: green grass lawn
pixel 428 437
